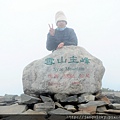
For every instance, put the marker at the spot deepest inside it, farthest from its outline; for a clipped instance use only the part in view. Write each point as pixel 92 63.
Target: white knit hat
pixel 60 16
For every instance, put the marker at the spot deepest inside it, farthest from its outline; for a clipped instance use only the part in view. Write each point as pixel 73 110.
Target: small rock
pixel 102 113
pixel 34 95
pixel 9 98
pixel 88 109
pixel 112 111
pixel 114 98
pixel 18 99
pixel 29 111
pixel 96 103
pixel 91 106
pixel 81 113
pixel 99 95
pixel 60 96
pixel 86 98
pixel 110 106
pixel 101 109
pixel 3 104
pixel 26 99
pixel 59 111
pixel 58 105
pixel 105 99
pixel 44 106
pixel 1 99
pixel 46 99
pixel 70 99
pixel 70 108
pixel 117 106
pixel 110 96
pixel 13 109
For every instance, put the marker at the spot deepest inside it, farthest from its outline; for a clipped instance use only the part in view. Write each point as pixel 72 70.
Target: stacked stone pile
pixel 114 97
pixel 86 103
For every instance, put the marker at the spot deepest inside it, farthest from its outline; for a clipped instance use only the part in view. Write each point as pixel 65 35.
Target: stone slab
pixel 13 109
pixel 59 111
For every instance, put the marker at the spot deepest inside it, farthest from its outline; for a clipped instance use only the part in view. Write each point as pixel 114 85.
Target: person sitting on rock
pixel 62 35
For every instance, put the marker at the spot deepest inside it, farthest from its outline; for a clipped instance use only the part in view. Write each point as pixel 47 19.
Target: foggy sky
pixel 24 28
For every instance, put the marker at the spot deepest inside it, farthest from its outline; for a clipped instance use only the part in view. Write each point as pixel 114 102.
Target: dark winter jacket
pixel 67 36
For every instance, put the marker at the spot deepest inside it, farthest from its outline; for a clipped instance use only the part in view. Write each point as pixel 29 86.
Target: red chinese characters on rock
pixel 69 76
pixel 64 76
pixel 53 76
pixel 84 75
pixel 59 84
pixel 76 82
pixel 56 84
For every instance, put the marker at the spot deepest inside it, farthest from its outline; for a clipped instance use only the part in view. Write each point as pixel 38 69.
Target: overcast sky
pixel 24 28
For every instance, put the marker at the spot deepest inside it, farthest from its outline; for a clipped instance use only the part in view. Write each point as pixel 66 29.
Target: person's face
pixel 61 24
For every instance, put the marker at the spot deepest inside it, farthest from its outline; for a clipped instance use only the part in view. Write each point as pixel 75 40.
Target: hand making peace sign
pixel 52 30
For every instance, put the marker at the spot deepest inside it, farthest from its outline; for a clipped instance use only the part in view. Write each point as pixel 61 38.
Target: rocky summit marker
pixel 70 70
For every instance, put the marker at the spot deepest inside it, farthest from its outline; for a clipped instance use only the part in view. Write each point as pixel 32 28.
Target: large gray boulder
pixel 70 70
